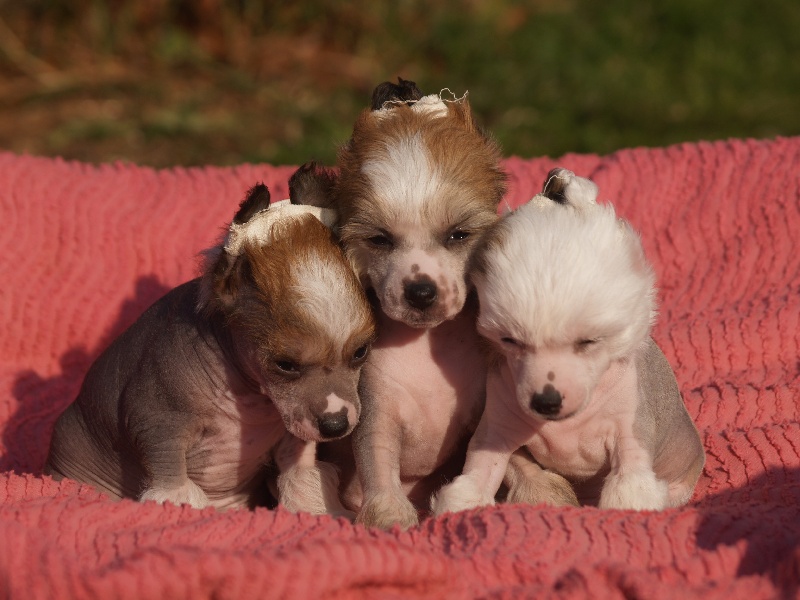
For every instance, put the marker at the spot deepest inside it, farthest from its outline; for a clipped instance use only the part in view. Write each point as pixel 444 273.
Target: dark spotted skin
pixel 149 401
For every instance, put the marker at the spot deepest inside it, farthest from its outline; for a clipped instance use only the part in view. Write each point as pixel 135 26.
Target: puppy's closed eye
pixel 585 344
pixel 381 240
pixel 513 342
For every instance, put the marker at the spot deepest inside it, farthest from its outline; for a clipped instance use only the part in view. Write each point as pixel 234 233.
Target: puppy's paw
pixel 548 488
pixel 189 493
pixel 634 490
pixel 385 509
pixel 311 489
pixel 461 494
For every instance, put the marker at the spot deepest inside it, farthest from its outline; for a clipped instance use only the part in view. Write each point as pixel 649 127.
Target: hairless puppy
pixel 246 367
pixel 567 300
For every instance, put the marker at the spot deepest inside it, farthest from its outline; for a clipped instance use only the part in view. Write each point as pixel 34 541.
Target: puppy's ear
pixel 225 274
pixel 313 185
pixel 403 91
pixel 256 200
pixel 556 183
pixel 461 110
pixel 564 187
pixel 228 276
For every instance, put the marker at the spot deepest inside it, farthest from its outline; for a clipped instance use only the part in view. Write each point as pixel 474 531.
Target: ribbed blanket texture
pixel 87 248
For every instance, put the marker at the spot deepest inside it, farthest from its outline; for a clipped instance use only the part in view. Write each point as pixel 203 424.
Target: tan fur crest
pixel 456 146
pixel 269 298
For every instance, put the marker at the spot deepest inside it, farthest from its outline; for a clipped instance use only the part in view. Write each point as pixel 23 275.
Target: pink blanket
pixel 85 249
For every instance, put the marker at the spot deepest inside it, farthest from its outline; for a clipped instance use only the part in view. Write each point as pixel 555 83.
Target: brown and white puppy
pixel 567 299
pixel 418 184
pixel 250 365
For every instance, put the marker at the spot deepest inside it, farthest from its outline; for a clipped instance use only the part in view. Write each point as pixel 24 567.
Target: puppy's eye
pixel 381 241
pixel 360 353
pixel 584 344
pixel 511 341
pixel 287 366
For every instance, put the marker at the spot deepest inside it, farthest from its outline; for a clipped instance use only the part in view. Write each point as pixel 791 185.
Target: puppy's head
pixel 564 290
pixel 296 311
pixel 418 184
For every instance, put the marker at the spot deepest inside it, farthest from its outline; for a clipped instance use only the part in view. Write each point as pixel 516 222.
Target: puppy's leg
pixel 376 443
pixel 632 483
pixel 386 508
pixel 498 435
pixel 162 451
pixel 304 483
pixel 528 483
pixel 485 466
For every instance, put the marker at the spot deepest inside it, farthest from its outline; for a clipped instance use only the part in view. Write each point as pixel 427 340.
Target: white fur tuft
pixel 326 296
pixel 634 490
pixel 189 493
pixel 432 104
pixel 461 494
pixel 386 509
pixel 560 274
pixel 259 228
pixel 403 173
pixel 311 489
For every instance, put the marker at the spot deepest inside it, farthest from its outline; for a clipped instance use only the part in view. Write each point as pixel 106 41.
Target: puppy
pixel 251 364
pixel 418 183
pixel 567 299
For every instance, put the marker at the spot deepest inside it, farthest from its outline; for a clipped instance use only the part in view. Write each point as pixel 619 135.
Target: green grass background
pixel 179 82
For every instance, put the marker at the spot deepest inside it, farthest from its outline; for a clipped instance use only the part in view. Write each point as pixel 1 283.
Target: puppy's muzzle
pixel 333 425
pixel 420 294
pixel 547 402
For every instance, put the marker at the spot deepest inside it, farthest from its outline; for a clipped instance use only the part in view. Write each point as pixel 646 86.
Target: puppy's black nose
pixel 420 294
pixel 333 425
pixel 547 402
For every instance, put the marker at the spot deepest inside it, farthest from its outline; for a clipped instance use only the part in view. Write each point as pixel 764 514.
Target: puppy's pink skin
pixel 426 396
pixel 602 440
pixel 567 300
pixel 417 188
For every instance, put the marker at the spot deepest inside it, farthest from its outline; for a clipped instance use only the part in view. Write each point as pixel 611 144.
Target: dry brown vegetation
pixel 211 82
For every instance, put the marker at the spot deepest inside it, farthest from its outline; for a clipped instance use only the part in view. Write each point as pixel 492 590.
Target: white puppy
pixel 567 299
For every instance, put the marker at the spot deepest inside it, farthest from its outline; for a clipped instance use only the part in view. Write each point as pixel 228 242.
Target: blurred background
pixel 195 82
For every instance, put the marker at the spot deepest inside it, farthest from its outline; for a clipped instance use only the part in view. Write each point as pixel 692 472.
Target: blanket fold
pixel 87 248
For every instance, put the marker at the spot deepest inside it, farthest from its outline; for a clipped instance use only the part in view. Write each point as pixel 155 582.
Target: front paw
pixel 384 510
pixel 461 494
pixel 634 490
pixel 188 493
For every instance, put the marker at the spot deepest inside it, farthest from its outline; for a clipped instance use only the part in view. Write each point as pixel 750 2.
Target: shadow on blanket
pixel 759 516
pixel 42 399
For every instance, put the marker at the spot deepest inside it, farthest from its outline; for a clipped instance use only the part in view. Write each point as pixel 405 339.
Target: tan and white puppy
pixel 567 300
pixel 249 365
pixel 418 184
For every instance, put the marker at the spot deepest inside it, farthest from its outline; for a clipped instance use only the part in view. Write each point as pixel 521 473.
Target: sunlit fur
pixel 567 300
pixel 417 177
pixel 571 288
pixel 230 375
pixel 419 184
pixel 296 299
